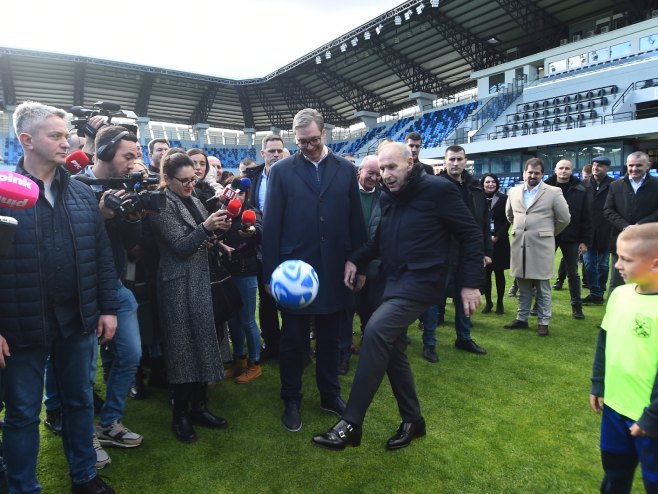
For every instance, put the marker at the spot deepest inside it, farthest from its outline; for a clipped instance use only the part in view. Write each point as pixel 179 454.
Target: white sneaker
pixel 102 458
pixel 118 436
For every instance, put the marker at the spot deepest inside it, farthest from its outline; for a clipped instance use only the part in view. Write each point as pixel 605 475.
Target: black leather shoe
pixel 469 346
pixel 340 436
pixel 577 312
pixel 292 418
pixel 516 324
pixel 407 432
pixel 558 285
pixel 487 308
pixel 204 418
pixel 94 486
pixel 335 406
pixel 429 354
pixel 592 300
pixel 53 421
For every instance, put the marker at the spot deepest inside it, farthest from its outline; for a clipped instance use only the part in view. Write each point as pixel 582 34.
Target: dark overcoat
pixel 321 224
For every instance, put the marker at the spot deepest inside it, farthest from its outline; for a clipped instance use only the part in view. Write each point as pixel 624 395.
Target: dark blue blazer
pixel 321 225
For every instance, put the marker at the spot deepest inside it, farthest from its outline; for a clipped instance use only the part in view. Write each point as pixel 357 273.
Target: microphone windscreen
pixel 17 191
pixel 76 161
pixel 245 184
pixel 235 184
pixel 233 208
pixel 248 218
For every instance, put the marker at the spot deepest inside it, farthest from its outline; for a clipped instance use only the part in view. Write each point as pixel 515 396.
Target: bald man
pixel 413 244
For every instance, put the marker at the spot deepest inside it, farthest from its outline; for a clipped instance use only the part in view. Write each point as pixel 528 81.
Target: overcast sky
pixel 236 39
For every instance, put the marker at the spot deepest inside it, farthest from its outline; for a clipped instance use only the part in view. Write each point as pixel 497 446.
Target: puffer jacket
pixel 22 274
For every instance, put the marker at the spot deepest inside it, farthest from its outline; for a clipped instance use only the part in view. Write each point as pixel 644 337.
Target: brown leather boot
pixel 238 366
pixel 254 371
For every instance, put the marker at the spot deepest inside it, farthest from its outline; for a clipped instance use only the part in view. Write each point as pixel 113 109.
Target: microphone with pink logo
pixel 16 192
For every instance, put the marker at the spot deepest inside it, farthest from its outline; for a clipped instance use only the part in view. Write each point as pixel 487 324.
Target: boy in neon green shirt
pixel 626 366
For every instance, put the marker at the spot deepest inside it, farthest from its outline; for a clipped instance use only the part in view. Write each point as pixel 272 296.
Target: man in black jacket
pixel 473 195
pixel 597 257
pixel 57 294
pixel 577 236
pixel 268 316
pixel 632 200
pixel 419 214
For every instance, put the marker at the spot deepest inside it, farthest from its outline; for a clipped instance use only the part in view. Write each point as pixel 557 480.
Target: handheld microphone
pixel 230 193
pixel 8 227
pixel 77 161
pixel 233 209
pixel 17 191
pixel 248 219
pixel 245 184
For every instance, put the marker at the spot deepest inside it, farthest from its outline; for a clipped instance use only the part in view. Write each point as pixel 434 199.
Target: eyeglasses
pixel 187 181
pixel 313 141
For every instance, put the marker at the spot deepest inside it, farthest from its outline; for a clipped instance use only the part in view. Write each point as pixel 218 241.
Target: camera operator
pixel 116 151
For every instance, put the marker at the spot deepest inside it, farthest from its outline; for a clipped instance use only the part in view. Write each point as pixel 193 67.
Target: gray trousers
pixel 544 305
pixel 383 352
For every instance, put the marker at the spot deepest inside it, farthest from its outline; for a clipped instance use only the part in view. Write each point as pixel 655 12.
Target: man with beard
pixel 538 213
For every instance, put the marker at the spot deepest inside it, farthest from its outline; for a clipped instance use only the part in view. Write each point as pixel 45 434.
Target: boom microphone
pixel 17 191
pixel 76 161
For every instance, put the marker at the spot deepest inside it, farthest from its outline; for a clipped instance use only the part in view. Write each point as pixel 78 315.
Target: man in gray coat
pixel 537 212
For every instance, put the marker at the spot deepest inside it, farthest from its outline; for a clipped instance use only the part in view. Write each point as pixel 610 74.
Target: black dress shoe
pixel 487 308
pixel 53 421
pixel 577 312
pixel 516 324
pixel 429 354
pixel 94 486
pixel 592 300
pixel 204 418
pixel 292 418
pixel 558 285
pixel 335 406
pixel 340 436
pixel 407 432
pixel 469 346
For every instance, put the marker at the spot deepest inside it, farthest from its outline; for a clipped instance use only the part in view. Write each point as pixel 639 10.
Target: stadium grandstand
pixel 507 80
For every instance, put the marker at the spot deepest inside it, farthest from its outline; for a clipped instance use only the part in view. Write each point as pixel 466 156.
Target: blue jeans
pixel 429 318
pixel 122 354
pixel 243 324
pixel 21 389
pixel 597 265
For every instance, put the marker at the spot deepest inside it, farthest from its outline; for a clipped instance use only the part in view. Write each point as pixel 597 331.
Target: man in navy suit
pixel 312 213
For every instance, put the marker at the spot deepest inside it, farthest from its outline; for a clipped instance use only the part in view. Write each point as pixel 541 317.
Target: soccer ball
pixel 294 284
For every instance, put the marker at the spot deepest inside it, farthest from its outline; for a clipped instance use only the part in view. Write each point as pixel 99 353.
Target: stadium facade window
pixel 621 50
pixel 649 42
pixel 580 155
pixel 496 83
pixel 600 55
pixel 557 66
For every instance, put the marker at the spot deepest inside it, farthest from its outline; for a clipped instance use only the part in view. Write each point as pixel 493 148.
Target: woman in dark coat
pixel 191 349
pixel 500 238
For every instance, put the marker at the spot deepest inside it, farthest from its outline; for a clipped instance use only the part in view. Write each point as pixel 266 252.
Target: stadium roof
pixel 413 47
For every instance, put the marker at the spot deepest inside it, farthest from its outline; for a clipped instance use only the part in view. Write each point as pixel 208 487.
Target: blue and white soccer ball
pixel 294 284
